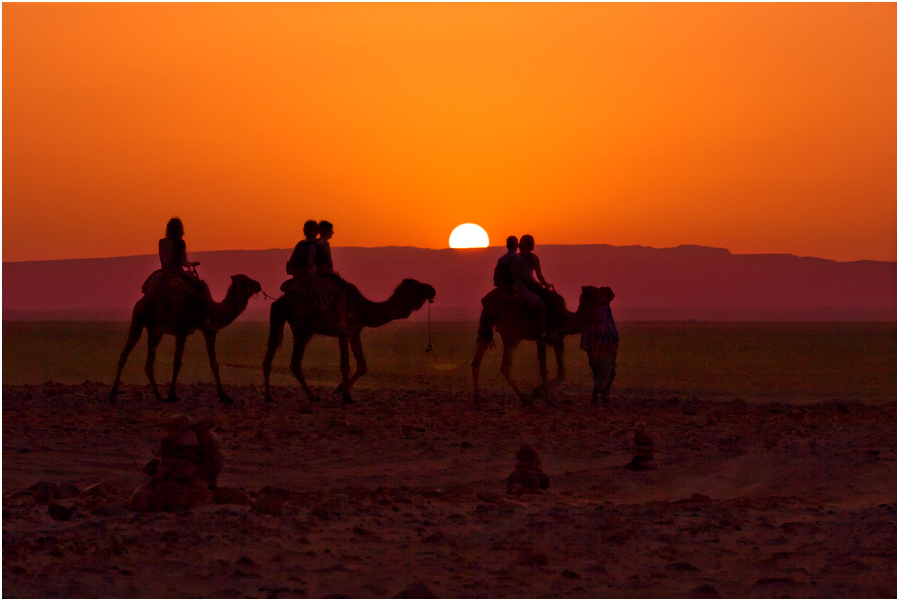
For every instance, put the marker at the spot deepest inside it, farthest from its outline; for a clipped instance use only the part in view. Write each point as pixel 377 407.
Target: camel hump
pixel 500 295
pixel 162 282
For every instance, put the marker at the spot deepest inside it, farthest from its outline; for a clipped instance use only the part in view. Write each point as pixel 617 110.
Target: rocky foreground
pixel 411 493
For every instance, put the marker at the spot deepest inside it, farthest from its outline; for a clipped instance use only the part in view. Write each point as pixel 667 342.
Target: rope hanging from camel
pixel 429 349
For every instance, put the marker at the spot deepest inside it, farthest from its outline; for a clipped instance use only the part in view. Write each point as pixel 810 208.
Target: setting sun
pixel 468 236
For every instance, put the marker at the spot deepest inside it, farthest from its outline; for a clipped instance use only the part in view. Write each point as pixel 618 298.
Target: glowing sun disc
pixel 468 236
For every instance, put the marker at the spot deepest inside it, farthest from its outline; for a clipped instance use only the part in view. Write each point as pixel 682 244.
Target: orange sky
pixel 762 128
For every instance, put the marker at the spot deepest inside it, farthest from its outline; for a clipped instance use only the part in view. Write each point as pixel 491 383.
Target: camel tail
pixel 485 327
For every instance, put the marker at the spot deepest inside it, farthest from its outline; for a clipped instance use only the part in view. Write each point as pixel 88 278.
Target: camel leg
pixel 267 367
pixel 543 388
pixel 180 340
pixel 134 335
pixel 481 347
pixel 345 370
pixel 559 350
pixel 361 368
pixel 152 343
pixel 506 371
pixel 301 340
pixel 210 336
pixel 276 336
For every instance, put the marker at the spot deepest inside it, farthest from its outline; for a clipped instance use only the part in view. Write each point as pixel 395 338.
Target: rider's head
pixel 526 243
pixel 174 228
pixel 310 228
pixel 326 229
pixel 512 243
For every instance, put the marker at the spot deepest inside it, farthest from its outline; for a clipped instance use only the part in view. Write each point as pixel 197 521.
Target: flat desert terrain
pixel 773 471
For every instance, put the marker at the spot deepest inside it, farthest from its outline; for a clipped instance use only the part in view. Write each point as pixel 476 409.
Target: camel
pixel 180 312
pixel 506 311
pixel 306 319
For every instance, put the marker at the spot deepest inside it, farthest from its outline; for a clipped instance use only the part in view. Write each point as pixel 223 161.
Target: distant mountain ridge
pixel 679 283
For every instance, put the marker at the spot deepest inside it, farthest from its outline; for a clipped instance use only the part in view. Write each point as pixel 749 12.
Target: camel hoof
pixel 346 399
pixel 171 399
pixel 225 399
pixel 270 399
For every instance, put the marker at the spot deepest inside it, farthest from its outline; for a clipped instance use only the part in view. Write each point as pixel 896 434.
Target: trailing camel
pixel 307 318
pixel 506 311
pixel 180 312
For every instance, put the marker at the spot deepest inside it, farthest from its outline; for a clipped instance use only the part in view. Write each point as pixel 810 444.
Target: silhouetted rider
pixel 540 289
pixel 309 263
pixel 173 258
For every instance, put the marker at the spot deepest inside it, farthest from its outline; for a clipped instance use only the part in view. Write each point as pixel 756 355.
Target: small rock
pixel 60 512
pixel 69 491
pixel 704 591
pixel 416 590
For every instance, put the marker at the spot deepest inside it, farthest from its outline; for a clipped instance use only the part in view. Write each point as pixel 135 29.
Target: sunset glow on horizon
pixel 760 128
pixel 469 236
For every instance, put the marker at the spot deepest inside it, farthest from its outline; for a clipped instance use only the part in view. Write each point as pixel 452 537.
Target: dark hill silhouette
pixel 680 283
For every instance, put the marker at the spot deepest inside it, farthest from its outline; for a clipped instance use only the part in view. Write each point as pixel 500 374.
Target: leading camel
pixel 306 320
pixel 180 312
pixel 507 312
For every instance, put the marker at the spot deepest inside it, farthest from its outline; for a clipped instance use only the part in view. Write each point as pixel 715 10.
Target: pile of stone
pixel 643 449
pixel 185 471
pixel 528 476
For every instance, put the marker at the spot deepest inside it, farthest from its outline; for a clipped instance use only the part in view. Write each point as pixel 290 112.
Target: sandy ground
pixel 404 493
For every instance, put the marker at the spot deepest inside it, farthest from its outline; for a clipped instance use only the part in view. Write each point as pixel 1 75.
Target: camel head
pixel 413 294
pixel 592 296
pixel 243 287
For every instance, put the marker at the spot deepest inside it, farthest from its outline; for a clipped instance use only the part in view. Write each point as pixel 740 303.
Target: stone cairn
pixel 528 476
pixel 185 471
pixel 643 449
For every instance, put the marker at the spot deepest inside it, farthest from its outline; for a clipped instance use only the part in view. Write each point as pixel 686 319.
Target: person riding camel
pixel 173 260
pixel 326 266
pixel 502 272
pixel 530 267
pixel 514 271
pixel 306 268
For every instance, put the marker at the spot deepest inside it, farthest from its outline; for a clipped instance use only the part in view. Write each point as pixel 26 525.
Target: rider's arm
pixel 185 262
pixel 537 269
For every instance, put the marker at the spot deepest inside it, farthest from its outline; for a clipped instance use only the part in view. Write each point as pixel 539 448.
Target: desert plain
pixel 774 469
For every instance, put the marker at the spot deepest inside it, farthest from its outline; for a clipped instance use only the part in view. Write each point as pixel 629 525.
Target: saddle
pixel 308 292
pixel 161 283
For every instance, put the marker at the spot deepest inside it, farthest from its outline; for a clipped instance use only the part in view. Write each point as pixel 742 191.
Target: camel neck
pixel 226 311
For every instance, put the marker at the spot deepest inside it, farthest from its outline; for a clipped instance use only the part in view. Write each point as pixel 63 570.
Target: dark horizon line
pixel 497 247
